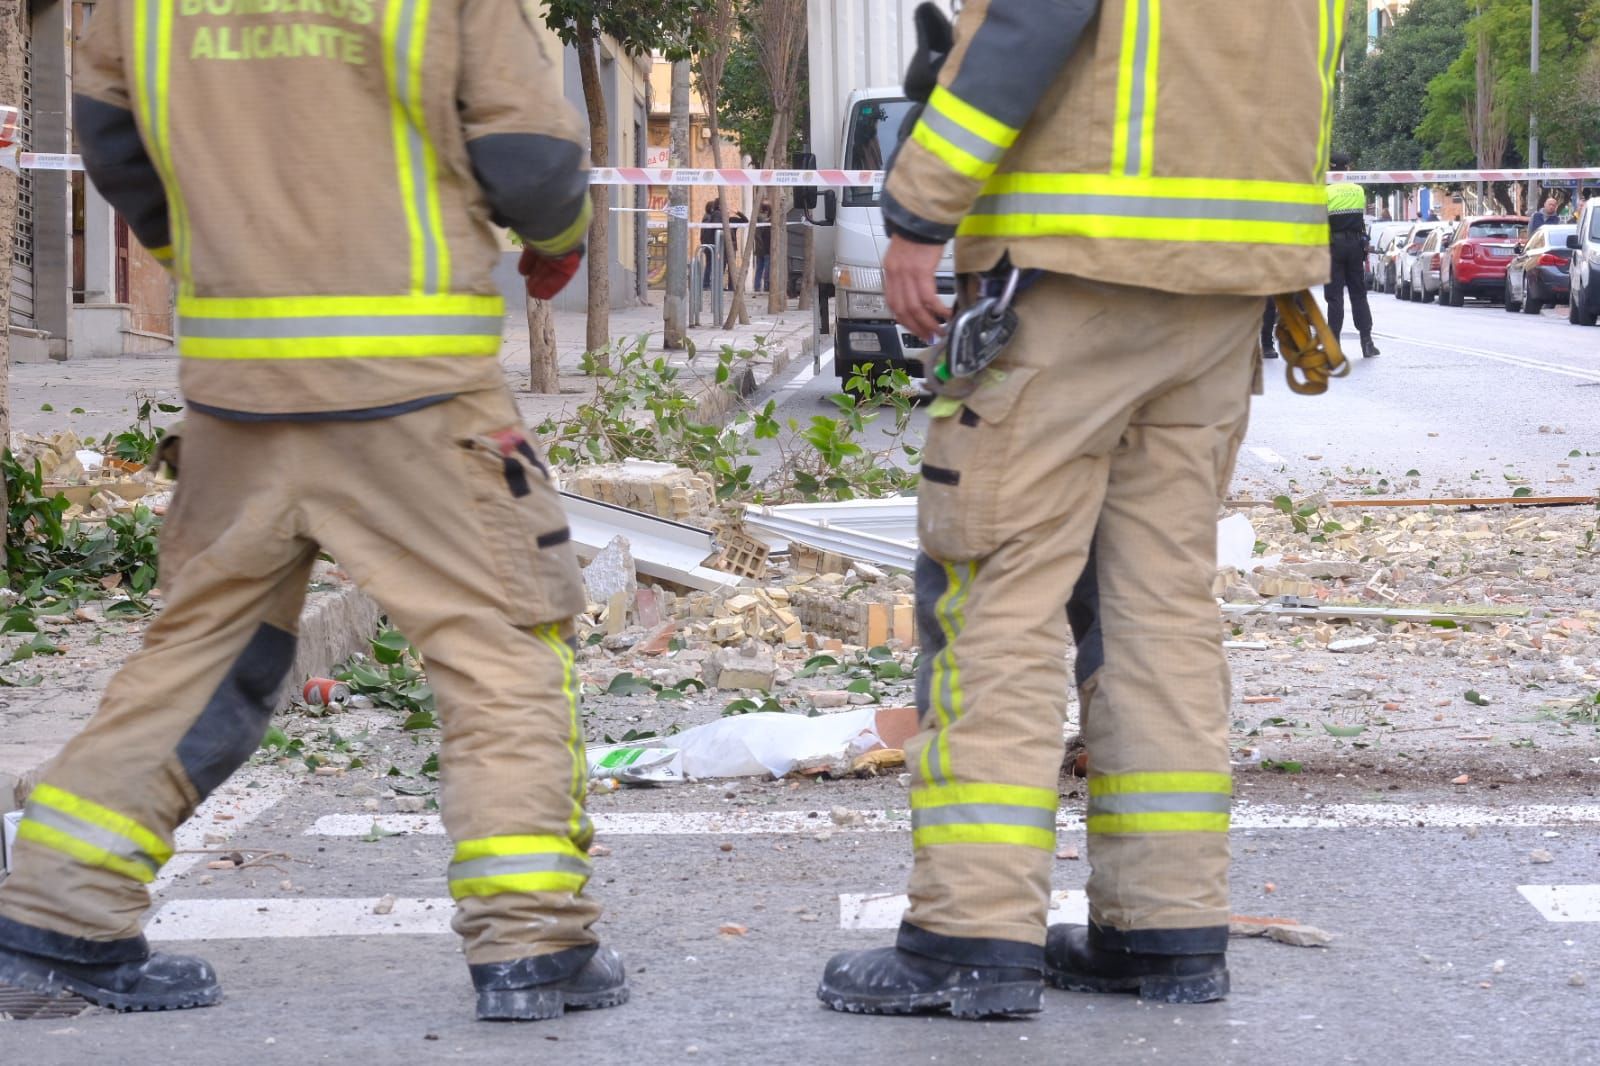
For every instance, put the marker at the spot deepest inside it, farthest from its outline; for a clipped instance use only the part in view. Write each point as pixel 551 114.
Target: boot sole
pixel 1201 988
pixel 39 976
pixel 990 1001
pixel 542 1004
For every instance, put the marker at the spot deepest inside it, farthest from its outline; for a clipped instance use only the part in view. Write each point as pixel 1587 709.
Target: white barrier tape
pixel 13 158
pixel 1427 177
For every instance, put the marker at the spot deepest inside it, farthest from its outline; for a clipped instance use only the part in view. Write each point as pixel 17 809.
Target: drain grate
pixel 21 1004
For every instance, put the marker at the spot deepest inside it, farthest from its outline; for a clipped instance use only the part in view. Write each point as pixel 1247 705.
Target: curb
pixel 334 624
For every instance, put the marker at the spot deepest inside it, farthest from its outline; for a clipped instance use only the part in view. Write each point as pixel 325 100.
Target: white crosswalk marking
pixel 249 919
pixel 1245 817
pixel 883 911
pixel 1564 903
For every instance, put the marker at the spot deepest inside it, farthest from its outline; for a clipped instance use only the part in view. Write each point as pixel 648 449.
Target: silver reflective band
pixel 88 833
pixel 416 151
pixel 1161 803
pixel 342 326
pixel 960 136
pixel 1137 104
pixel 504 865
pixel 983 814
pixel 1040 203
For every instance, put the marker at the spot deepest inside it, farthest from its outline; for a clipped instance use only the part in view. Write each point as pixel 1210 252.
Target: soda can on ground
pixel 323 691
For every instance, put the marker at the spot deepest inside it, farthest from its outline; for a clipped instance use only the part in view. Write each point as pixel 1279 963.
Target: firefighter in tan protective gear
pixel 321 177
pixel 1153 169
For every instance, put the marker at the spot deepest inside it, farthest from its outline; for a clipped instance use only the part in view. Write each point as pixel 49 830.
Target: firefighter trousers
pixel 1112 419
pixel 447 518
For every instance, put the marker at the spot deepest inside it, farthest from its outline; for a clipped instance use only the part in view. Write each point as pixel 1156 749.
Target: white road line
pixel 250 919
pixel 883 911
pixel 1268 456
pixel 1564 903
pixel 1523 361
pixel 1245 817
pixel 239 805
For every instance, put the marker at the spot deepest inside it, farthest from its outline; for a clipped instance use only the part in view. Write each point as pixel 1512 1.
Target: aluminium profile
pixel 835 539
pixel 662 549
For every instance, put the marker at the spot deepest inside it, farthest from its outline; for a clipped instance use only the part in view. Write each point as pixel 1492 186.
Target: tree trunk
pixel 674 306
pixel 544 374
pixel 778 268
pixel 13 46
pixel 597 335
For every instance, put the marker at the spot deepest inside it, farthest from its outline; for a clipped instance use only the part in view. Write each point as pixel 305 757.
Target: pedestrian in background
pixel 1347 252
pixel 1543 217
pixel 763 247
pixel 710 236
pixel 349 360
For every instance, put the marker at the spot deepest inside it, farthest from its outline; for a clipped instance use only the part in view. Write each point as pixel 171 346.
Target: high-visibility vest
pixel 330 232
pixel 1180 146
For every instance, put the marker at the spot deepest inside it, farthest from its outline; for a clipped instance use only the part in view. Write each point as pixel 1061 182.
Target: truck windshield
pixel 874 135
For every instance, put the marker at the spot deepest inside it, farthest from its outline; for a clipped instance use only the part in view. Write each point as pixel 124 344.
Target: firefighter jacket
pixel 1172 145
pixel 1347 208
pixel 321 176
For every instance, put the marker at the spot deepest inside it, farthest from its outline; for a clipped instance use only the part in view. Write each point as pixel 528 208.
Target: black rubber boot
pixel 543 986
pixel 1269 352
pixel 1368 349
pixel 1077 960
pixel 157 982
pixel 892 981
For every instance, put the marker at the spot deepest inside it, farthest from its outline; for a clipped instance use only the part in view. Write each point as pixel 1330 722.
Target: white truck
pixel 858 51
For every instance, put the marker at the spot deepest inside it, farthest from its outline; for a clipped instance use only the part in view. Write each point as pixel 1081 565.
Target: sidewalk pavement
pixel 94 397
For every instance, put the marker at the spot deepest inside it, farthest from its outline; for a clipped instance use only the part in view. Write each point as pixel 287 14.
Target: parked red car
pixel 1480 250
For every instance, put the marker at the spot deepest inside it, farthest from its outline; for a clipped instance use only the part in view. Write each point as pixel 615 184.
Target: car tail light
pixel 1469 251
pixel 1551 259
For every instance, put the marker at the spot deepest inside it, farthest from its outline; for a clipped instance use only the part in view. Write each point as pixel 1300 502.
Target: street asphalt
pixel 1450 943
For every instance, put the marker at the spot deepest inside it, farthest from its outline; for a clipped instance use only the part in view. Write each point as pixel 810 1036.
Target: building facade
pixel 1380 17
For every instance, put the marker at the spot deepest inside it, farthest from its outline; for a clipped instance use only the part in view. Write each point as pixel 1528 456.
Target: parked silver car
pixel 1406 256
pixel 1424 278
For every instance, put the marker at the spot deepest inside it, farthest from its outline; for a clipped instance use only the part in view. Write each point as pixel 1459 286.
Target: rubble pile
pixel 96 485
pixel 659 489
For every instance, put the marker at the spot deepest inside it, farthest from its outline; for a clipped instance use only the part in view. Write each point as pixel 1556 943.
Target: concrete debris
pixel 611 573
pixel 750 666
pixel 1540 857
pixel 410 804
pixel 1354 644
pixel 1283 930
pixel 384 905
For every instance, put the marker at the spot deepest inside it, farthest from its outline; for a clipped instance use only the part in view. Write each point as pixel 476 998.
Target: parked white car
pixel 1423 281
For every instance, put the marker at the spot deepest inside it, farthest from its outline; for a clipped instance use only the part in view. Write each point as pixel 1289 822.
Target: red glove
pixel 546 276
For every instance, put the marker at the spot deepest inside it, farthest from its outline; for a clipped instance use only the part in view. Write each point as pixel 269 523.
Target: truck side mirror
pixel 1574 242
pixel 805 196
pixel 830 207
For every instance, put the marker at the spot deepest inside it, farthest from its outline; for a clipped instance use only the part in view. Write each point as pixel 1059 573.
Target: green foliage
pixel 744 103
pixel 393 677
pixel 639 26
pixel 643 410
pixel 54 565
pixel 138 443
pixel 1384 94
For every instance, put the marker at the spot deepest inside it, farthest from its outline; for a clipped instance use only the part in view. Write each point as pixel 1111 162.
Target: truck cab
pixel 850 267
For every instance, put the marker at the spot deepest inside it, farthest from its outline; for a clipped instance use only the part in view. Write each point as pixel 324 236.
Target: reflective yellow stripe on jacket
pixel 324 327
pixel 962 136
pixel 983 814
pixel 92 834
pixel 1125 207
pixel 1159 803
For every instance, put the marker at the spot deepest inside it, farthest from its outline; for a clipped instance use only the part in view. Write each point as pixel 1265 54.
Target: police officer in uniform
pixel 1347 248
pixel 321 181
pixel 1096 147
